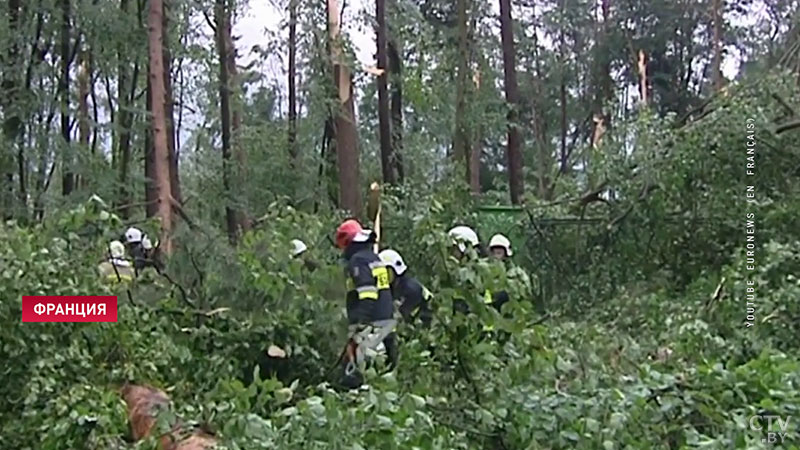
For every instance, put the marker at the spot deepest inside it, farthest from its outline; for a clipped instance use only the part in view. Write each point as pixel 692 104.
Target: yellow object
pixel 381 275
pixel 487 299
pixel 110 275
pixel 367 294
pixel 374 212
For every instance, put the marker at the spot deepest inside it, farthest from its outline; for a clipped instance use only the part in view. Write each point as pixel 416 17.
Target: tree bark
pixel 150 190
pixel 395 69
pixel 12 123
pixel 544 160
pixel 563 87
pixel 384 125
pixel 125 91
pixel 238 150
pixel 83 78
pixel 344 124
pixel 150 186
pixel 476 139
pixel 169 107
pixel 460 139
pixel 716 13
pixel 643 77
pixel 83 99
pixel 95 107
pixel 68 179
pixel 603 84
pixel 292 83
pixel 223 28
pixel 513 150
pixel 160 138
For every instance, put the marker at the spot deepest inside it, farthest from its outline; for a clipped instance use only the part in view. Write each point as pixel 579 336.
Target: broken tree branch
pixel 789 110
pixel 594 196
pixel 646 190
pixel 787 126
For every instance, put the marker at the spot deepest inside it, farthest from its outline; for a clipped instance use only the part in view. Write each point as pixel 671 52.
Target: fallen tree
pixel 144 403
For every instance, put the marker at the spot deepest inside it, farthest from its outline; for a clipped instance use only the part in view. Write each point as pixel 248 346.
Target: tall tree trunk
pixel 223 28
pixel 513 150
pixel 476 139
pixel 238 150
pixel 292 86
pixel 475 162
pixel 716 13
pixel 395 69
pixel 461 146
pixel 150 190
pixel 563 99
pixel 83 107
pixel 384 126
pixel 174 177
pixel 344 124
pixel 12 123
pixel 150 186
pixel 124 122
pixel 160 138
pixel 41 173
pixel 95 106
pixel 643 77
pixel 126 101
pixel 544 155
pixel 603 84
pixel 68 180
pixel 607 81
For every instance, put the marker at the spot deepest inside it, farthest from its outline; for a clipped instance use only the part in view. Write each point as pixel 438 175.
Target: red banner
pixel 69 308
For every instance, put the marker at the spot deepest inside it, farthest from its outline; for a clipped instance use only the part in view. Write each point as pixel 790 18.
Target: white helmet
pixel 462 234
pixel 146 243
pixel 392 258
pixel 133 235
pixel 116 249
pixel 298 247
pixel 498 240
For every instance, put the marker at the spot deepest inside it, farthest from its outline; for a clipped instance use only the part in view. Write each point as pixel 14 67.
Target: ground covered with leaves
pixel 634 337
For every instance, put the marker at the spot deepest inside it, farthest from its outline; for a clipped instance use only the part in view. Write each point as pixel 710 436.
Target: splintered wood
pixel 143 403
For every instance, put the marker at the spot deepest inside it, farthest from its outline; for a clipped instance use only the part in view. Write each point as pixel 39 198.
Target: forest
pixel 638 154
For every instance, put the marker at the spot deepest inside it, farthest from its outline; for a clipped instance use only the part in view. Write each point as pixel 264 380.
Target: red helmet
pixel 346 232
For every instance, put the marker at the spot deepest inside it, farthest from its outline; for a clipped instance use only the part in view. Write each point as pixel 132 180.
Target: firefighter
pixel 415 298
pixel 141 249
pixel 116 269
pixel 500 249
pixel 465 246
pixel 298 248
pixel 300 251
pixel 464 238
pixel 370 306
pixel 133 241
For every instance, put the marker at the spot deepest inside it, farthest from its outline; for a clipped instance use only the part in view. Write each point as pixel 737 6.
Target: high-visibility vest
pixel 109 274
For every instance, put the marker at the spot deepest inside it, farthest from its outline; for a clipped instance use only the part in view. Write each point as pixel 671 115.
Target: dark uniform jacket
pixel 415 298
pixel 369 296
pixel 143 259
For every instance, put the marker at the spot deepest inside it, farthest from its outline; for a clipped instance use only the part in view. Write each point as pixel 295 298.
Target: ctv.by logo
pixel 772 437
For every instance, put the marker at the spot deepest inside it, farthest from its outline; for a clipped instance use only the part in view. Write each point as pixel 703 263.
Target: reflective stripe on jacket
pixel 369 296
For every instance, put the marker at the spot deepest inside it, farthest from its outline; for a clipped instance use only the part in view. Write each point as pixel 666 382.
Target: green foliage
pixel 633 333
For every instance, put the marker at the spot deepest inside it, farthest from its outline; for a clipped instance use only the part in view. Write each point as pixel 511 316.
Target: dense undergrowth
pixel 634 337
